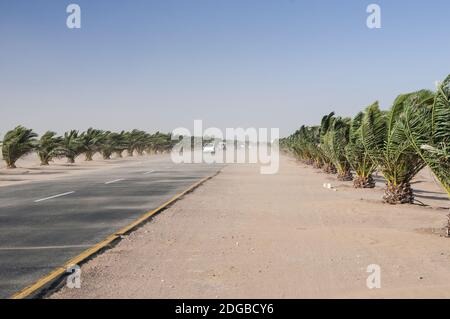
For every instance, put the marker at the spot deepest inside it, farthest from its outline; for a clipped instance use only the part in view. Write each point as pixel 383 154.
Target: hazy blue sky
pixel 159 64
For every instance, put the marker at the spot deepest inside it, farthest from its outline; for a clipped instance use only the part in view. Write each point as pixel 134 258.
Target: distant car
pixel 209 148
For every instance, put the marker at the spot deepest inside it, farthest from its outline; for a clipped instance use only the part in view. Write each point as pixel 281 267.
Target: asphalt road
pixel 44 224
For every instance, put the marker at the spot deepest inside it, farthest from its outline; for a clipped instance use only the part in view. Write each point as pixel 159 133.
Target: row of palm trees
pixel 412 134
pixel 21 141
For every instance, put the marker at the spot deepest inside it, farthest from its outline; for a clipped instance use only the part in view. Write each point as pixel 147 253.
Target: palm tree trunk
pixel 345 176
pixel 70 160
pixel 44 162
pixel 398 193
pixel 317 164
pixel 89 156
pixel 329 168
pixel 364 182
pixel 11 165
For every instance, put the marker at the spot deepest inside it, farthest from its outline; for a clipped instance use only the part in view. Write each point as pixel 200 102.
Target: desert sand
pixel 246 235
pixel 29 168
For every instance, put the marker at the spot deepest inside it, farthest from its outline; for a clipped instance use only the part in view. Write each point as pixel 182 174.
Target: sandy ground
pixel 29 168
pixel 246 235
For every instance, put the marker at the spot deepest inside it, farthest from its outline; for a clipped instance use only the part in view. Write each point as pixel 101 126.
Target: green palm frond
pixel 47 145
pixel 373 132
pixel 357 155
pixel 113 143
pixel 18 142
pixel 333 144
pixel 71 146
pixel 384 139
pixel 427 128
pixel 92 142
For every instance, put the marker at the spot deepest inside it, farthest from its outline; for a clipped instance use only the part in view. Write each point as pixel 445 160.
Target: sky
pixel 161 64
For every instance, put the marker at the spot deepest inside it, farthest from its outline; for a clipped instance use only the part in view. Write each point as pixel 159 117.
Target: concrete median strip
pixel 60 271
pixel 54 196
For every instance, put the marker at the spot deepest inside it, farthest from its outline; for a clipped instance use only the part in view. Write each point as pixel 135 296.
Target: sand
pixel 246 235
pixel 29 168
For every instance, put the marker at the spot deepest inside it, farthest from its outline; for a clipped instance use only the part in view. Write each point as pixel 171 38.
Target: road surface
pixel 44 224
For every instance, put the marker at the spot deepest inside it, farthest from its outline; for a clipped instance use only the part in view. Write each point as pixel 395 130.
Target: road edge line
pixel 90 252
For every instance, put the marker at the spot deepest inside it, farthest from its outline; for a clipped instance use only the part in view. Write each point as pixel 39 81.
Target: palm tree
pixel 135 141
pixel 143 142
pixel 47 145
pixel 120 141
pixel 396 158
pixel 17 143
pixel 333 146
pixel 113 143
pixel 297 144
pixel 367 129
pixel 171 141
pixel 91 140
pixel 71 146
pixel 159 143
pixel 325 125
pixel 107 147
pixel 428 130
pixel 305 145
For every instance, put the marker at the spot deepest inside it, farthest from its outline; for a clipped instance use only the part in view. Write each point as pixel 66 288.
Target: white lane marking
pixel 44 247
pixel 115 181
pixel 149 172
pixel 54 196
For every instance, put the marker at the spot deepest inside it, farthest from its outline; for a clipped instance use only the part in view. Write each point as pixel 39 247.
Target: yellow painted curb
pixel 59 271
